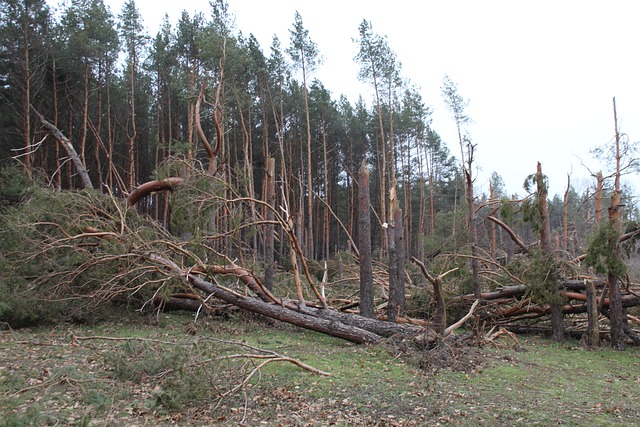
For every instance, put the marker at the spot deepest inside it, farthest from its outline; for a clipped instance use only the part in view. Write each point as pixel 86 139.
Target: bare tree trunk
pixel 71 152
pixel 54 88
pixel 599 197
pixel 310 239
pixel 85 113
pixel 592 334
pixel 400 256
pixel 565 215
pixel 134 132
pixel 492 197
pixel 383 173
pixel 326 228
pixel 616 311
pixel 557 313
pixel 26 101
pixel 364 243
pixel 471 219
pixel 439 312
pixel 269 230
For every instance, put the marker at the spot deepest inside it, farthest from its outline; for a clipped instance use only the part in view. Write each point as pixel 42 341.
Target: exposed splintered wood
pixel 85 180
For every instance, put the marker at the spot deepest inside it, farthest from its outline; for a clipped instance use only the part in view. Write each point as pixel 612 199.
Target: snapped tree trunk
pixel 592 335
pixel 71 152
pixel 269 245
pixel 400 255
pixel 364 243
pixel 616 310
pixel 557 313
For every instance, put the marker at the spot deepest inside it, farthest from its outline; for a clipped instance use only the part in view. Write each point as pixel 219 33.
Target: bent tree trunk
pixel 71 152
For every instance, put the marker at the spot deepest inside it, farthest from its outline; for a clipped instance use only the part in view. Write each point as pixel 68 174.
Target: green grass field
pixel 170 371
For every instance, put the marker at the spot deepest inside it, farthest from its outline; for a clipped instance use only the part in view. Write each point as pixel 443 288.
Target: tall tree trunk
pixel 493 201
pixel 269 229
pixel 557 324
pixel 26 101
pixel 392 303
pixel 327 247
pixel 616 311
pixel 134 132
pixel 471 219
pixel 383 173
pixel 85 113
pixel 364 243
pixel 54 88
pixel 592 335
pixel 399 238
pixel 565 215
pixel 310 239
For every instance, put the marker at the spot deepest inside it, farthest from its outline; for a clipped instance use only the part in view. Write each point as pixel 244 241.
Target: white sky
pixel 540 76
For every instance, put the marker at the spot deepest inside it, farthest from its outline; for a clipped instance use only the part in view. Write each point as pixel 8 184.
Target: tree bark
pixel 557 323
pixel 392 302
pixel 71 152
pixel 598 196
pixel 592 334
pixel 439 312
pixel 151 187
pixel 511 233
pixel 616 311
pixel 278 312
pixel 400 256
pixel 364 244
pixel 269 245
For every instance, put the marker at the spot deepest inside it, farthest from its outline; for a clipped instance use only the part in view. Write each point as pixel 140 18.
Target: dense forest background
pixel 127 100
pixel 140 107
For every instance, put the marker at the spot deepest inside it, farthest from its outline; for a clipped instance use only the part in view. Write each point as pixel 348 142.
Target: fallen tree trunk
pixel 505 292
pixel 384 329
pixel 278 312
pixel 627 300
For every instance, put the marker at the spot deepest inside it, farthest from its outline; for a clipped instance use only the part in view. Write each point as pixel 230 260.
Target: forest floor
pixel 173 371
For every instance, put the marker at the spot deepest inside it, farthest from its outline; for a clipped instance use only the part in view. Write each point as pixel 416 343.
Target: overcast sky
pixel 540 76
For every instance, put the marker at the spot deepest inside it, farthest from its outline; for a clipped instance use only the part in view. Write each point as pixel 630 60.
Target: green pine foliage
pixel 601 252
pixel 55 267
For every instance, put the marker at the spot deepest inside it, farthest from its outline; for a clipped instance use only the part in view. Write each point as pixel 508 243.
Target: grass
pixel 170 373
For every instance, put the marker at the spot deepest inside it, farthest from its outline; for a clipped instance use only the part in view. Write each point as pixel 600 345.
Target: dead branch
pixel 440 312
pixel 75 339
pixel 510 232
pixel 81 170
pixel 460 322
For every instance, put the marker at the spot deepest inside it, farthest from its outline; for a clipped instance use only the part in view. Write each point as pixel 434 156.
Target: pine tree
pixel 305 56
